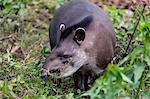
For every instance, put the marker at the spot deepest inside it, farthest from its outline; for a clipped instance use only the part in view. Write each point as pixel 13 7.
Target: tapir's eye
pixel 79 35
pixel 66 56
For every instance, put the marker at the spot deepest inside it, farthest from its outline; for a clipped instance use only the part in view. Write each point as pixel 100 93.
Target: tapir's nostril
pixel 65 62
pixel 43 74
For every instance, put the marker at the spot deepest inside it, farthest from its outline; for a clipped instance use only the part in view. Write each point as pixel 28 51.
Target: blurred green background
pixel 24 45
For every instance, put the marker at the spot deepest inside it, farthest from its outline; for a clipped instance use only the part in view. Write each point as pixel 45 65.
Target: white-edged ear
pixel 62 27
pixel 79 35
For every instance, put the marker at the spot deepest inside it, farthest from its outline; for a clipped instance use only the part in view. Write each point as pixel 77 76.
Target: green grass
pixel 26 22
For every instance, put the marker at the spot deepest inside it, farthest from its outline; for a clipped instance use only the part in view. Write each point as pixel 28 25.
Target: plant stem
pixel 135 28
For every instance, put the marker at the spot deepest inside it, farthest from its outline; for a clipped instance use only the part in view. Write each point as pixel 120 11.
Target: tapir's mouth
pixel 68 71
pixel 63 71
pixel 59 69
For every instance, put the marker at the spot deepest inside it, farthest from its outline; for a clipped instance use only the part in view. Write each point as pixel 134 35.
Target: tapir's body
pixel 82 40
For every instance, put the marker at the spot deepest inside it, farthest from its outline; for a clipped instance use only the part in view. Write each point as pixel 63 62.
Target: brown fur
pixel 96 50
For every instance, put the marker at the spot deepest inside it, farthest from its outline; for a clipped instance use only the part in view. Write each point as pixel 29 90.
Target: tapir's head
pixel 69 55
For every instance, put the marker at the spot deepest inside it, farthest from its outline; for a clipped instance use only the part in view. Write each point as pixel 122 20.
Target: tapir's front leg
pixel 80 81
pixel 77 81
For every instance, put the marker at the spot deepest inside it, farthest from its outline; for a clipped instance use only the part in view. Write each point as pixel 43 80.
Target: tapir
pixel 82 40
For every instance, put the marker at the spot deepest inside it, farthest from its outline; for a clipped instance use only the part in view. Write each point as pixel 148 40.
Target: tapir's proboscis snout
pixel 82 40
pixel 65 59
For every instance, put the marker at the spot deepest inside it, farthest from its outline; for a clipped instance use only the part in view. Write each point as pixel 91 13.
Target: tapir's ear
pixel 79 35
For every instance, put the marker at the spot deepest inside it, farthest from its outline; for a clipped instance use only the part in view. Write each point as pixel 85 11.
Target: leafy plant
pixel 127 79
pixel 24 23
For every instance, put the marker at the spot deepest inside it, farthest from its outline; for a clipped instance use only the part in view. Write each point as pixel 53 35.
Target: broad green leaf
pixel 138 70
pixel 147 44
pixel 123 60
pixel 146 94
pixel 70 96
pixel 45 51
pixel 110 92
pixel 4 86
pixel 23 12
pixel 125 78
pixel 147 59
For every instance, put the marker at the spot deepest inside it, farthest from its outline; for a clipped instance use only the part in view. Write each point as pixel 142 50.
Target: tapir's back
pixel 72 13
